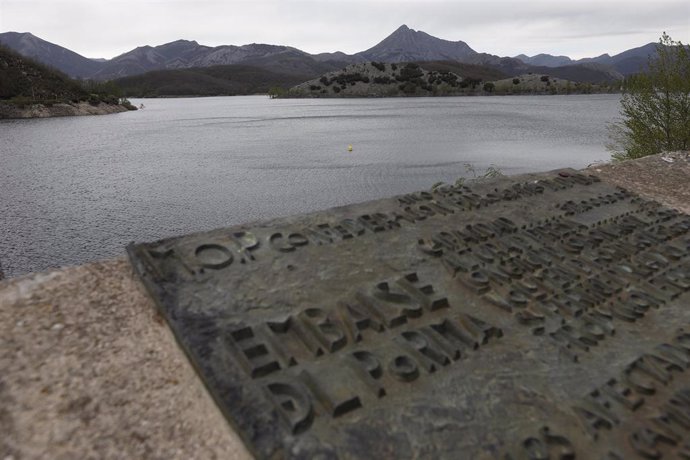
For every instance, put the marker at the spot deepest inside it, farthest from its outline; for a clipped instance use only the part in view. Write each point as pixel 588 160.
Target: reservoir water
pixel 79 189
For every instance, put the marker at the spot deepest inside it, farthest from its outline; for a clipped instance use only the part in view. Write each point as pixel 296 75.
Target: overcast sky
pixel 106 28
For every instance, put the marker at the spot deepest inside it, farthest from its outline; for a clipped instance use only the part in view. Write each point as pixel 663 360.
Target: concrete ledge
pixel 88 369
pixel 664 178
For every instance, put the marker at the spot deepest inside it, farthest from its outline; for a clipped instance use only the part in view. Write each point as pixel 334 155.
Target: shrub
pixel 516 81
pixel 450 78
pixel 489 87
pixel 336 89
pixel 655 107
pixel 21 101
pixel 410 72
pixel 277 91
pixel 126 104
pixel 470 82
pixel 544 78
pixel 408 87
pixel 379 65
pixel 324 81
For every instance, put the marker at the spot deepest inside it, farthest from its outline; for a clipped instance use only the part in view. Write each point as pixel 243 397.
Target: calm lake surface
pixel 79 189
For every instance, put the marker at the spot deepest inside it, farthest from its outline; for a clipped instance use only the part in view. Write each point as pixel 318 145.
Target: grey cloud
pixel 108 28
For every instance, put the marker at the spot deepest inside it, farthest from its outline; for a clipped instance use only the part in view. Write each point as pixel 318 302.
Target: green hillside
pixel 24 81
pixel 433 78
pixel 22 78
pixel 381 79
pixel 469 71
pixel 226 80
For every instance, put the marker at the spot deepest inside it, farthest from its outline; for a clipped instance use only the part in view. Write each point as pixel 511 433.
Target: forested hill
pixel 435 78
pixel 32 90
pixel 225 80
pixel 473 71
pixel 23 78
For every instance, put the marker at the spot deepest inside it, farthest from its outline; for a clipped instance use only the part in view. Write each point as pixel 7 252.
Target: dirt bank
pixel 58 110
pixel 663 177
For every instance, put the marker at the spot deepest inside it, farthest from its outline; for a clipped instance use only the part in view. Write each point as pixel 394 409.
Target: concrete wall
pixel 89 369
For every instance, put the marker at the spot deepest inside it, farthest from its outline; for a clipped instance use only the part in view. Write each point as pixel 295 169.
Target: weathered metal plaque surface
pixel 543 316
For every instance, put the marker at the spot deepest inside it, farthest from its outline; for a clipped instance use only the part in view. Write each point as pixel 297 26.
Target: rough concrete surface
pixel 664 178
pixel 88 369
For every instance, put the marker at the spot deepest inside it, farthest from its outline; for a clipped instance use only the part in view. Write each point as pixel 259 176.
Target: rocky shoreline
pixel 59 110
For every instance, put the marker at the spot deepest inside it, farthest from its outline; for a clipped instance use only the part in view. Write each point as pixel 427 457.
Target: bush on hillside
pixel 470 82
pixel 379 65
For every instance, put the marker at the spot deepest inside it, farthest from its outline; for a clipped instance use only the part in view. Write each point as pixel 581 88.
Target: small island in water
pixel 32 90
pixel 442 78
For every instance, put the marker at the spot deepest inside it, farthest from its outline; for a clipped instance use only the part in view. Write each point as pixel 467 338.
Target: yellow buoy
pixel 349 148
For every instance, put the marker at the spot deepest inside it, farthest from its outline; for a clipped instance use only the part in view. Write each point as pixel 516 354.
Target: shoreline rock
pixel 67 109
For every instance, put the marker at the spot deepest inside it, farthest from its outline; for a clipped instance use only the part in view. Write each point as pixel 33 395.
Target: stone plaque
pixel 533 317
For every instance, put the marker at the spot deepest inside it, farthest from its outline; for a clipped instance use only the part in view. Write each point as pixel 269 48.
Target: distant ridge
pixel 546 60
pixel 184 54
pixel 628 62
pixel 227 80
pixel 28 45
pixel 403 45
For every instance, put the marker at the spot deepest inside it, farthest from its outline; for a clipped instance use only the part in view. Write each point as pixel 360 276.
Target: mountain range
pixel 403 45
pixel 627 62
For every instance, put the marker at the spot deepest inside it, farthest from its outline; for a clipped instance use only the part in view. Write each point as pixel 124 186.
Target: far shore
pixel 478 94
pixel 287 96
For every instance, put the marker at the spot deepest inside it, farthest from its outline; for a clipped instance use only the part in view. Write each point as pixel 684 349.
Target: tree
pixel 276 92
pixel 655 107
pixel 489 87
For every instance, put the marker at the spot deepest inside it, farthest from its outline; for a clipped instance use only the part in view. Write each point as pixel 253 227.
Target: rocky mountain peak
pixel 48 53
pixel 406 44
